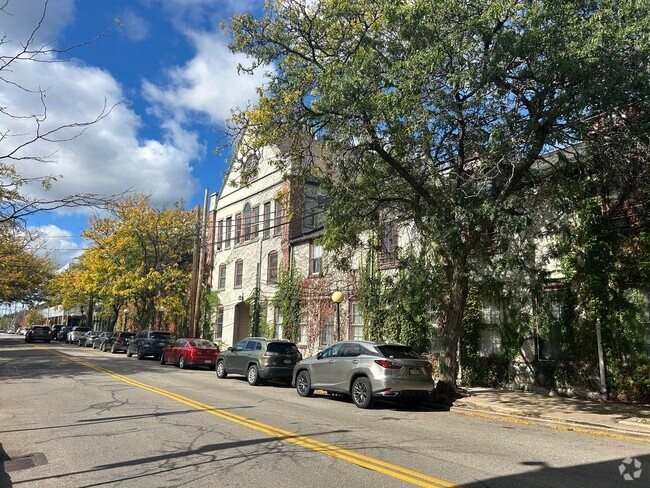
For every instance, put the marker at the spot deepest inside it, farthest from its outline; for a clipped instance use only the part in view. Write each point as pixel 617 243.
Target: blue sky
pixel 169 66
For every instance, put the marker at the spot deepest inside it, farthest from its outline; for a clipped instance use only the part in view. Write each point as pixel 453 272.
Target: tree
pixel 34 317
pixel 39 143
pixel 23 274
pixel 437 112
pixel 139 255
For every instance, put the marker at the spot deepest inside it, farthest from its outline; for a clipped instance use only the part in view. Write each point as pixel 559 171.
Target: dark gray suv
pixel 148 343
pixel 259 359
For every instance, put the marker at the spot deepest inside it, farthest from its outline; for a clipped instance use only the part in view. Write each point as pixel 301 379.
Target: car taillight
pixel 267 353
pixel 150 341
pixel 384 363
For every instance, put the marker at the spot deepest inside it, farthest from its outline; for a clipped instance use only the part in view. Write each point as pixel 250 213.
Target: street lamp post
pixel 161 310
pixel 126 313
pixel 337 298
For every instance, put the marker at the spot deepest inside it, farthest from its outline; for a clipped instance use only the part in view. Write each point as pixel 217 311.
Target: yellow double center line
pixel 392 470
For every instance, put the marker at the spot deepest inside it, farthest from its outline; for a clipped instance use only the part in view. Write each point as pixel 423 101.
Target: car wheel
pixel 303 384
pixel 47 341
pixel 162 359
pixel 94 346
pixel 253 375
pixel 221 370
pixel 128 353
pixel 140 355
pixel 113 349
pixel 362 392
pixel 79 343
pixel 181 362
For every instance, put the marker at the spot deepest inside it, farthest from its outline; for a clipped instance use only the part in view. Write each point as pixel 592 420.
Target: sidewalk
pixel 588 413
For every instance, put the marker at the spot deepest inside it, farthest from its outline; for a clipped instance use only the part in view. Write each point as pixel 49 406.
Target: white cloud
pixel 57 243
pixel 133 26
pixel 109 157
pixel 208 84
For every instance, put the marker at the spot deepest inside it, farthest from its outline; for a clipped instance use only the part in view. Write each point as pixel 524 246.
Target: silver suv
pixel 259 359
pixel 365 371
pixel 76 334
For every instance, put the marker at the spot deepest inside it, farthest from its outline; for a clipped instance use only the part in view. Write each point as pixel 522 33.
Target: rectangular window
pixel 327 332
pixel 316 259
pixel 314 206
pixel 303 333
pixel 267 220
pixel 219 329
pixel 490 341
pixel 228 233
pixel 388 243
pixel 491 314
pixel 278 322
pixel 255 222
pixel 272 269
pixel 219 235
pixel 238 229
pixel 277 224
pixel 239 273
pixel 222 277
pixel 357 322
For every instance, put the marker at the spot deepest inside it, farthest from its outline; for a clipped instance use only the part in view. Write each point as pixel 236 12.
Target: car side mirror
pixel 230 349
pixel 319 355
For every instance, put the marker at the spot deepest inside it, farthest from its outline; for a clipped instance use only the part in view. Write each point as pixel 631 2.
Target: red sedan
pixel 190 352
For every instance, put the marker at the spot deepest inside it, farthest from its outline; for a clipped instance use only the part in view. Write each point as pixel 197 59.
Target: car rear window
pixel 82 329
pixel 201 343
pixel 160 335
pixel 282 347
pixel 399 352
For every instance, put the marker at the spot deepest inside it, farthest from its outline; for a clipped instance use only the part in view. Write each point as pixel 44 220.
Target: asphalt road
pixel 77 417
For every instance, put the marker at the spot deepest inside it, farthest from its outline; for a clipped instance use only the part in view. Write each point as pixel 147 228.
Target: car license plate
pixel 414 371
pixel 287 361
pixel 161 343
pixel 207 361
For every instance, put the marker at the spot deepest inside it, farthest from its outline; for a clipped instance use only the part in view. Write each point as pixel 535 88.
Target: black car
pixel 148 343
pixel 118 342
pixel 55 331
pixel 38 333
pixel 101 339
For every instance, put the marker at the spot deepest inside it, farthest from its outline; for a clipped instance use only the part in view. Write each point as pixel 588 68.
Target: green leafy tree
pixel 437 111
pixel 288 298
pixel 34 317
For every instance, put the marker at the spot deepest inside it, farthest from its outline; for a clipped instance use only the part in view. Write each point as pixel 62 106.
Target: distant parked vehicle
pixel 55 331
pixel 259 359
pixel 76 333
pixel 101 339
pixel 187 352
pixel 88 338
pixel 38 333
pixel 118 342
pixel 366 371
pixel 148 343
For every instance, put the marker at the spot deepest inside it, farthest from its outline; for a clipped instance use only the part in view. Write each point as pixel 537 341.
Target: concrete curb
pixel 626 426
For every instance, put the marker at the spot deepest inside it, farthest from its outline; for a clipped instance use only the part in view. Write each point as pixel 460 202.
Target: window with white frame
pixel 219 328
pixel 490 314
pixel 248 222
pixel 221 284
pixel 266 220
pixel 357 321
pixel 277 222
pixel 219 235
pixel 228 235
pixel 239 273
pixel 490 341
pixel 327 332
pixel 314 206
pixel 238 229
pixel 278 322
pixel 303 334
pixel 316 259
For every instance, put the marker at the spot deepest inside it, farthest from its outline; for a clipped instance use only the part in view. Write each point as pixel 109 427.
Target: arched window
pixel 272 267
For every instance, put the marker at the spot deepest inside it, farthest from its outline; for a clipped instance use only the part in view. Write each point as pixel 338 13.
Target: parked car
pixel 55 331
pixel 259 359
pixel 76 333
pixel 38 333
pixel 148 343
pixel 62 335
pixel 88 338
pixel 101 339
pixel 118 342
pixel 365 371
pixel 187 352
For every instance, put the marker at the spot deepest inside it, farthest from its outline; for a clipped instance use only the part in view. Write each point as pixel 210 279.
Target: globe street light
pixel 337 298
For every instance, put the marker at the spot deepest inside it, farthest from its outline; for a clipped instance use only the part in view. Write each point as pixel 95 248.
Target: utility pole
pixel 198 264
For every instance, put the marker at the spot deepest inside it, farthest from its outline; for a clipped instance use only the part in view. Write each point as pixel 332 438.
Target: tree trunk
pixel 453 328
